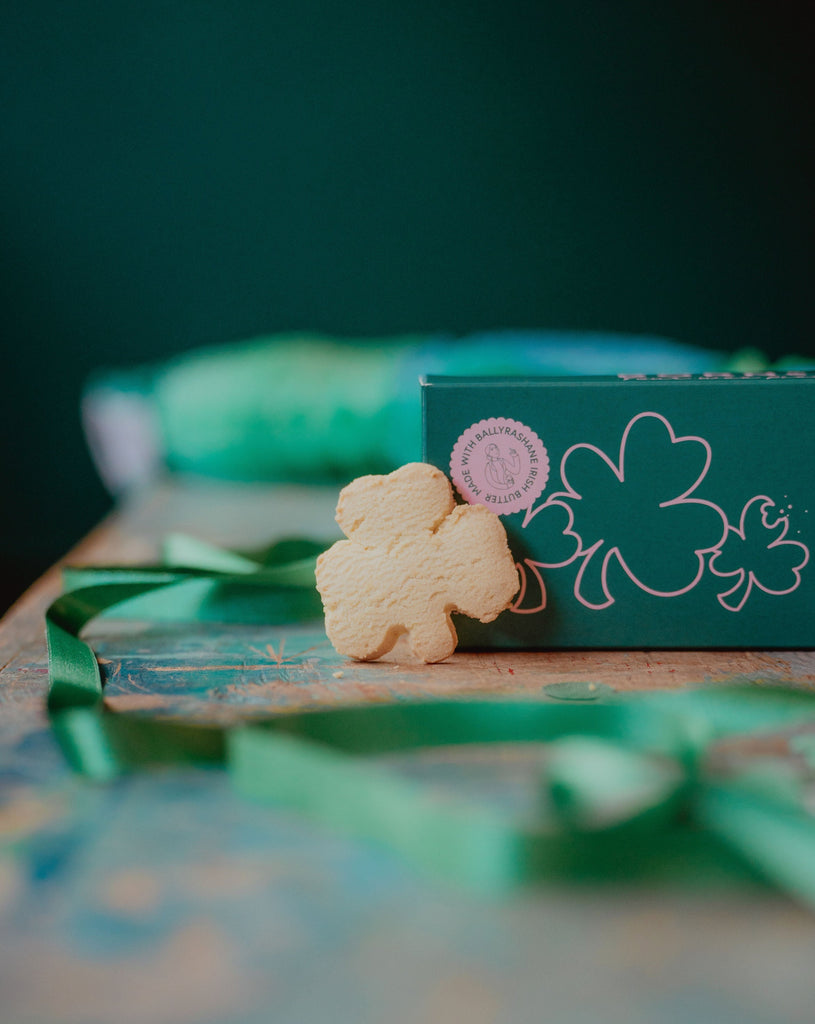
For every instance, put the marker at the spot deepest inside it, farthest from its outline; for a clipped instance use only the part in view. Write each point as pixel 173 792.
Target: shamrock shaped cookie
pixel 412 557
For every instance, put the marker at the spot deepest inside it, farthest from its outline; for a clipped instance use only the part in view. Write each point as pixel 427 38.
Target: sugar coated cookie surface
pixel 411 559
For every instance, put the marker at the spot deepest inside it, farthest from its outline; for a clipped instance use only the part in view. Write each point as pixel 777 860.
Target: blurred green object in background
pixel 314 409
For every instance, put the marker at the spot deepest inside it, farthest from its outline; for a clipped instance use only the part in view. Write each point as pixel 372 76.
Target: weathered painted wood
pixel 163 897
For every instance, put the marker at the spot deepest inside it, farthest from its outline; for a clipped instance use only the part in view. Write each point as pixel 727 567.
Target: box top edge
pixel 774 377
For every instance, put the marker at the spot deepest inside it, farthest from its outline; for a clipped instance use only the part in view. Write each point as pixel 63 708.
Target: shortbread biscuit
pixel 411 559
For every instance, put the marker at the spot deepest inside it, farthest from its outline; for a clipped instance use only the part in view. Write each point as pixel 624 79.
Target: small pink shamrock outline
pixel 587 553
pixel 524 569
pixel 530 566
pixel 747 578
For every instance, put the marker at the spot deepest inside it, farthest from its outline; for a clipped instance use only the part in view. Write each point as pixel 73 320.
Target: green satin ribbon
pixel 626 782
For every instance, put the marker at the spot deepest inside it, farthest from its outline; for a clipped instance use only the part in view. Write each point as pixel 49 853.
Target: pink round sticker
pixel 499 463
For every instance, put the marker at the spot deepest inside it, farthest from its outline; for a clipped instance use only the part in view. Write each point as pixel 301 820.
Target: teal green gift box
pixel 643 511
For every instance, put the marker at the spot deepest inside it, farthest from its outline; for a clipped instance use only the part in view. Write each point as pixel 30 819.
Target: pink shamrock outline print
pixel 584 467
pixel 755 516
pixel 529 567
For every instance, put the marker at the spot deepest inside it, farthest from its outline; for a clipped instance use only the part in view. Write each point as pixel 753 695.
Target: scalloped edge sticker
pixel 499 463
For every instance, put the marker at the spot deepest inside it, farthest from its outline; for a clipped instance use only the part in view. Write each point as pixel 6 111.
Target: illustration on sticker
pixel 500 463
pixel 625 512
pixel 499 472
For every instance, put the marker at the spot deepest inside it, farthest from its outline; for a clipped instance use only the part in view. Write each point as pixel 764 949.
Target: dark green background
pixel 177 173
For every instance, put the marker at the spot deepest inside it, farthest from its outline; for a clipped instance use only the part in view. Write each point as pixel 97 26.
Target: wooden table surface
pixel 163 897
